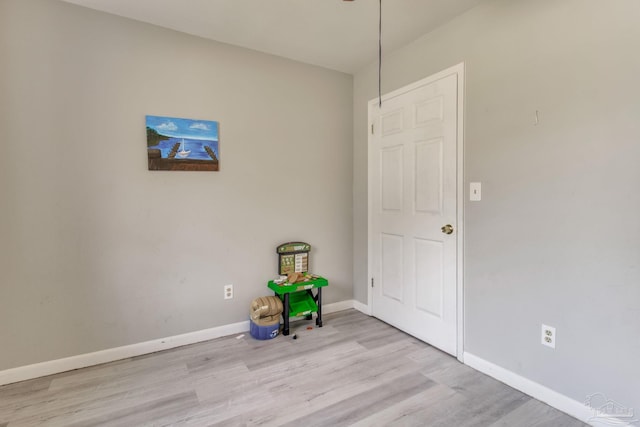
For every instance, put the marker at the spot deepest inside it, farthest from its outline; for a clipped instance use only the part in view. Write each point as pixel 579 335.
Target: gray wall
pixel 556 237
pixel 95 250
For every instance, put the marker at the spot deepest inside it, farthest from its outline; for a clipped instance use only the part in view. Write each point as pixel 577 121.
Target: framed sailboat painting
pixel 175 144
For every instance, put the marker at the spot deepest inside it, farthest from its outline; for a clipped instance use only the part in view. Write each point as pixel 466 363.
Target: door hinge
pixel 372 282
pixel 371 128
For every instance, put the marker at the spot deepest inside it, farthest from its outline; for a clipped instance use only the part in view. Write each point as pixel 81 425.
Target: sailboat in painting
pixel 183 151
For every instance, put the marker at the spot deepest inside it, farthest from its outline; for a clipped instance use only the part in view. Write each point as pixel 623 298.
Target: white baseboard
pixel 363 308
pixel 51 367
pixel 28 372
pixel 552 398
pixel 337 306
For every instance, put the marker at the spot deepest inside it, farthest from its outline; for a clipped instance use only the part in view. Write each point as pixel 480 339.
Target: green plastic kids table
pixel 298 299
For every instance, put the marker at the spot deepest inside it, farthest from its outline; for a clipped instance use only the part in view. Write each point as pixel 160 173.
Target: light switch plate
pixel 475 191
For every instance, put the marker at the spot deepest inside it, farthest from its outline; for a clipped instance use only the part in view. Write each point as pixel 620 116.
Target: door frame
pixel 457 70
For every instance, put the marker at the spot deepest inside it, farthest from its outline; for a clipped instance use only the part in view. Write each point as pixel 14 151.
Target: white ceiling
pixel 334 34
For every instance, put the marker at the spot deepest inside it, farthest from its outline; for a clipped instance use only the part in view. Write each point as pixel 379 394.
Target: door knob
pixel 447 229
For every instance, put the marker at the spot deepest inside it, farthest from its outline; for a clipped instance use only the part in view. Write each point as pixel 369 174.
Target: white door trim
pixel 458 70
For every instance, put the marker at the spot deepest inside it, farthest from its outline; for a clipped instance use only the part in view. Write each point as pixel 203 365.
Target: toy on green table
pixel 293 257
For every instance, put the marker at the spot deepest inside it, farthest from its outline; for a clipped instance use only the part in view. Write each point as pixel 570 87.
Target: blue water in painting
pixel 195 145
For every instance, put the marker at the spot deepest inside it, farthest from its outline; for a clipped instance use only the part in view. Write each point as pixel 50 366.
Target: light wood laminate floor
pixel 355 371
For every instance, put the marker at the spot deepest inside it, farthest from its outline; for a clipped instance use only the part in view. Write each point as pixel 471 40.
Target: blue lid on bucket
pixel 263 332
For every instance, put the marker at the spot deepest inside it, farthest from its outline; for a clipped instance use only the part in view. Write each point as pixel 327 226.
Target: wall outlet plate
pixel 475 191
pixel 549 336
pixel 228 291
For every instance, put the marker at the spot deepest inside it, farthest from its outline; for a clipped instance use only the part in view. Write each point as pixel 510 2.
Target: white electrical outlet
pixel 228 291
pixel 549 336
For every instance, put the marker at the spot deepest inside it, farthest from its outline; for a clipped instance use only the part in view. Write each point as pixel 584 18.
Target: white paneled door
pixel 413 212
